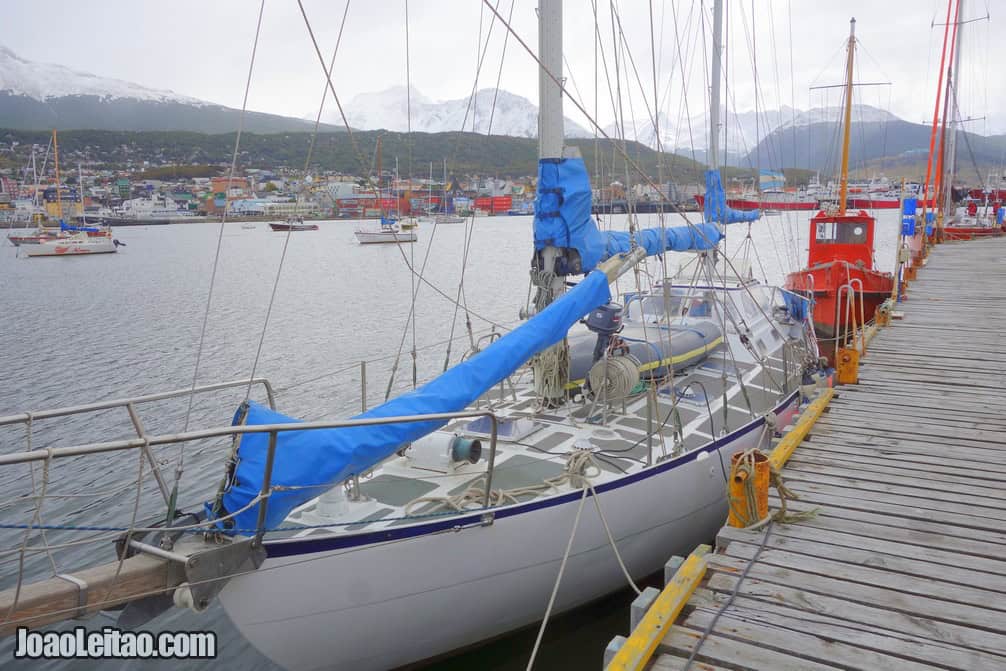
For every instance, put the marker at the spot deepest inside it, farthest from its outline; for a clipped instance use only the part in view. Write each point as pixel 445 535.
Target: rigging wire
pixel 289 231
pixel 216 255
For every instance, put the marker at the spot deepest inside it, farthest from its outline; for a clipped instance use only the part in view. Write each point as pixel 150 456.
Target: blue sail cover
pixel 312 461
pixel 562 210
pixel 63 226
pixel 714 206
pixel 562 217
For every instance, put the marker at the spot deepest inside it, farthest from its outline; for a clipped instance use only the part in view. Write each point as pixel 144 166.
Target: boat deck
pixel 901 563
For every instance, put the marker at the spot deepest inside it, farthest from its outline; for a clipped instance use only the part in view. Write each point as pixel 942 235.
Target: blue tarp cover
pixel 562 217
pixel 317 459
pixel 562 210
pixel 796 304
pixel 714 206
pixel 908 217
pixel 657 241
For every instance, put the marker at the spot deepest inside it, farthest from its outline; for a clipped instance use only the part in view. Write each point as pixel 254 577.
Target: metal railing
pixel 144 442
pixel 28 418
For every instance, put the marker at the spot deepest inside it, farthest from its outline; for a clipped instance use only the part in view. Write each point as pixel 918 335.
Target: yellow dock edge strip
pixel 643 641
pixel 782 452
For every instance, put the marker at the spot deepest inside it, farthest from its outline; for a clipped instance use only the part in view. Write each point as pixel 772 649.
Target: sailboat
pixel 455 525
pixel 981 214
pixel 840 277
pixel 72 240
pixel 391 230
pixel 443 517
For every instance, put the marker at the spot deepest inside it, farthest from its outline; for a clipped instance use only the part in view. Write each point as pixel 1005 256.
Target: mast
pixel 34 176
pixel 714 93
pixel 936 118
pixel 80 192
pixel 550 131
pixel 59 198
pixel 380 199
pixel 954 116
pixel 939 181
pixel 551 366
pixel 843 189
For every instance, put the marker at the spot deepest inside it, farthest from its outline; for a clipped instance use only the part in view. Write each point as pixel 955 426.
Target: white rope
pixel 558 581
pixel 220 237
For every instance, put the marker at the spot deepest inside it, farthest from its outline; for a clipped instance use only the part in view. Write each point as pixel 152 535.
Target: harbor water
pixel 86 329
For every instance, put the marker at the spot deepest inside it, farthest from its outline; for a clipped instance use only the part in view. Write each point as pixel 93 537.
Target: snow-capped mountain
pixel 742 130
pixel 860 114
pixel 42 81
pixel 37 96
pixel 510 114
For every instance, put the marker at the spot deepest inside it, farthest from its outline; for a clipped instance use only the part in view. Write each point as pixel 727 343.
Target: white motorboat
pixel 79 244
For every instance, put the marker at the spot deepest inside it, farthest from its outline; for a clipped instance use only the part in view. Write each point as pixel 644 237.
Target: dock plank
pixel 897 559
pixel 854 643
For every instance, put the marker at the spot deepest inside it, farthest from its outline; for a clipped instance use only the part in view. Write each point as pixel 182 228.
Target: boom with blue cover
pixel 312 461
pixel 562 218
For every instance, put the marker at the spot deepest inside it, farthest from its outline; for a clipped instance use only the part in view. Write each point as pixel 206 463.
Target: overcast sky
pixel 201 48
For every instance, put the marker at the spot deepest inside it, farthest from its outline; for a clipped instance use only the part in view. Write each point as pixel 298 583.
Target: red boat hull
pixel 874 203
pixel 971 232
pixel 748 204
pixel 830 312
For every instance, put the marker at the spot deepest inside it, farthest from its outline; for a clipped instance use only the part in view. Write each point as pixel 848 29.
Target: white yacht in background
pixel 155 210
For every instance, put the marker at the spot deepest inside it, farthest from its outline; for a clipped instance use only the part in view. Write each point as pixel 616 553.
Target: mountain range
pixel 491 112
pixel 37 96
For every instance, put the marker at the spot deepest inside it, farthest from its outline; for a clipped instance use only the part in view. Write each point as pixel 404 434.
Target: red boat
pixel 796 203
pixel 874 203
pixel 840 262
pixel 975 221
pixel 840 279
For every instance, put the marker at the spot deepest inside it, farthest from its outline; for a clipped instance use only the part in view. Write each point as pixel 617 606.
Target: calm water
pixel 79 330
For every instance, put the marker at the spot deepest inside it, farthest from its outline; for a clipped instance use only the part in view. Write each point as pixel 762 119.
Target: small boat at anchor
pixel 389 232
pixel 293 224
pixel 79 244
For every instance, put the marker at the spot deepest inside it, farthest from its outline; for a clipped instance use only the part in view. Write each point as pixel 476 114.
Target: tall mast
pixel 550 129
pixel 59 198
pixel 34 176
pixel 954 115
pixel 551 366
pixel 714 93
pixel 936 112
pixel 939 173
pixel 80 192
pixel 843 189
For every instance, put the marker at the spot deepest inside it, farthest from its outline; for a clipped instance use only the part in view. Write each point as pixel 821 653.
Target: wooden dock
pixel 902 563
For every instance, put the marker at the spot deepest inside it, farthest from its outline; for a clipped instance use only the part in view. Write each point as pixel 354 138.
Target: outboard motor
pixel 605 321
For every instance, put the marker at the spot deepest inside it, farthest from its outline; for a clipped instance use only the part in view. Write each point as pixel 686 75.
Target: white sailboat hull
pixel 378 237
pixel 406 599
pixel 71 247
